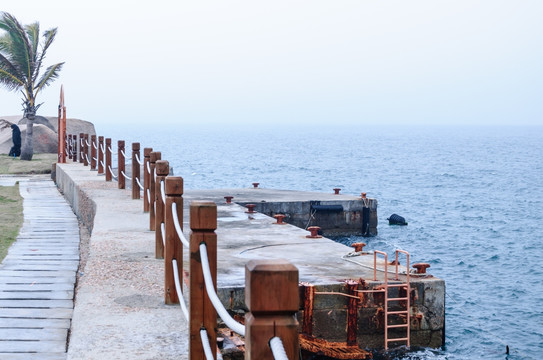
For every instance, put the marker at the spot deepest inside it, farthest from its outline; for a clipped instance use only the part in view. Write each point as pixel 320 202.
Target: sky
pixel 292 62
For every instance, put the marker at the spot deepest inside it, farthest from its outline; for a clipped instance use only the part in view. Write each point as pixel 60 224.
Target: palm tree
pixel 21 57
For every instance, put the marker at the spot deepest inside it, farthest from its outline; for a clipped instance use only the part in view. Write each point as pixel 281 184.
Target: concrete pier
pixel 332 268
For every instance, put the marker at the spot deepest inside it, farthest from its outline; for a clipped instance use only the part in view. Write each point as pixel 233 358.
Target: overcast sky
pixel 374 62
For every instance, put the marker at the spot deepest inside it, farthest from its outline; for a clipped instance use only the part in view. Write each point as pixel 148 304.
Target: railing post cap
pixel 203 215
pixel 108 140
pixel 162 167
pixel 154 156
pixel 136 146
pixel 173 185
pixel 147 151
pixel 120 143
pixel 273 285
pixel 100 138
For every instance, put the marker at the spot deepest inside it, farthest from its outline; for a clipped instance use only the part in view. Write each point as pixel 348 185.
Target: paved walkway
pixel 37 277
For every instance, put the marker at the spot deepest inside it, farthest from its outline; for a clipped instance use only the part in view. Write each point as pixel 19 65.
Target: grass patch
pixel 11 219
pixel 40 164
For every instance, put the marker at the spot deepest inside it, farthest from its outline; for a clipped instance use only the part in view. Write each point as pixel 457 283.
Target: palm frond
pixel 33 33
pixel 48 38
pixel 50 74
pixel 20 45
pixel 9 75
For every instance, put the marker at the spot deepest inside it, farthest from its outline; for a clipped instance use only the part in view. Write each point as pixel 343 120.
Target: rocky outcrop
pixel 45 132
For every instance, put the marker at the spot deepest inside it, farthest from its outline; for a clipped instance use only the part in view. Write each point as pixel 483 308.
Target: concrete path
pixel 37 277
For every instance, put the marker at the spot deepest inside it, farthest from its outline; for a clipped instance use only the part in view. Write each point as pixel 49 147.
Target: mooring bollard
pixel 86 150
pixel 203 223
pixel 358 247
pixel 135 170
pixel 120 164
pixel 107 166
pixel 174 248
pixel 279 218
pixel 255 185
pixel 93 152
pixel 153 157
pixel 271 294
pixel 100 155
pixel 314 230
pixel 81 140
pixel 336 191
pixel 146 178
pixel 228 199
pixel 162 169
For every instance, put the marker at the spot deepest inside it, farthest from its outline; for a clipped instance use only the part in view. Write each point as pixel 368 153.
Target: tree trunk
pixel 28 147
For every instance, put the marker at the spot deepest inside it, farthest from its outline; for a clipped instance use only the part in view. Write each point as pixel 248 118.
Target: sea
pixel 472 197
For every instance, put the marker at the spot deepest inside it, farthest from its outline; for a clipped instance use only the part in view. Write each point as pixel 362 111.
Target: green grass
pixel 11 217
pixel 40 164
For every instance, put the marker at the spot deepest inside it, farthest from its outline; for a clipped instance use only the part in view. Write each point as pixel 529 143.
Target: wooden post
pixel 153 157
pixel 352 313
pixel 81 136
pixel 271 294
pixel 202 314
pixel 59 129
pixel 85 150
pixel 93 152
pixel 100 155
pixel 174 247
pixel 63 134
pixel 107 165
pixel 70 148
pixel 146 178
pixel 162 168
pixel 120 164
pixel 135 170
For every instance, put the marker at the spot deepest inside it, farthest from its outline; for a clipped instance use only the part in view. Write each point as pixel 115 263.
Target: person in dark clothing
pixel 16 137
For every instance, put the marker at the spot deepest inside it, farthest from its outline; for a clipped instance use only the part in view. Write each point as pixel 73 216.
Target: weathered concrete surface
pixel 241 237
pixel 119 309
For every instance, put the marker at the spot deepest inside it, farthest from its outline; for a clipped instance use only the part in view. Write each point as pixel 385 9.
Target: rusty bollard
pixel 255 185
pixel 336 191
pixel 421 267
pixel 314 230
pixel 250 208
pixel 280 218
pixel 228 199
pixel 363 195
pixel 358 247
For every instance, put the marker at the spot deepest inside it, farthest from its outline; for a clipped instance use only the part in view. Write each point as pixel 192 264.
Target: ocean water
pixel 473 197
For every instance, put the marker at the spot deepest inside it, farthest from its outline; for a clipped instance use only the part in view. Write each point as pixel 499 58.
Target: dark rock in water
pixel 396 219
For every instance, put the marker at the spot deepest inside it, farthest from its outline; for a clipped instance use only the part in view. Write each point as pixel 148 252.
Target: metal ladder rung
pixel 398 339
pixel 397 299
pixel 397 285
pixel 397 326
pixel 397 312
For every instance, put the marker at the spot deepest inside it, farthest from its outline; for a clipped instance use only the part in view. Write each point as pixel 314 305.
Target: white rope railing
pixel 138 159
pixel 109 148
pixel 95 159
pixel 148 168
pixel 178 290
pixel 126 176
pixel 102 163
pixel 163 191
pixel 122 152
pixel 87 142
pixel 221 311
pixel 95 145
pixel 205 344
pixel 163 233
pixel 278 351
pixel 87 157
pixel 111 172
pixel 178 226
pixel 103 148
pixel 139 184
pixel 148 196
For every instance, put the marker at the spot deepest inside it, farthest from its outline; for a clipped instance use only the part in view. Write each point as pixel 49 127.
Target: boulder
pixel 45 132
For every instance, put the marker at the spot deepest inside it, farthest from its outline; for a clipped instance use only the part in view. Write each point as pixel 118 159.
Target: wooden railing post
pixel 135 170
pixel 108 160
pixel 271 294
pixel 174 248
pixel 93 152
pixel 100 155
pixel 162 168
pixel 70 147
pixel 153 157
pixel 146 178
pixel 81 147
pixel 85 150
pixel 202 314
pixel 120 164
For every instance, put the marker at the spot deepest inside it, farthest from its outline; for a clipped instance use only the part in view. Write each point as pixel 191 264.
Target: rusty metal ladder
pixel 388 299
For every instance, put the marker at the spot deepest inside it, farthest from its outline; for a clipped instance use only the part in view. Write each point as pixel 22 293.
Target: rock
pixel 45 132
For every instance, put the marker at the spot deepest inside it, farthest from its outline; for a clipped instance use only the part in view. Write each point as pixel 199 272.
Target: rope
pixel 95 159
pixel 148 196
pixel 138 159
pixel 163 191
pixel 139 184
pixel 178 289
pixel 122 152
pixel 102 163
pixel 278 351
pixel 103 148
pixel 88 143
pixel 221 311
pixel 205 344
pixel 148 168
pixel 126 176
pixel 95 145
pixel 178 227
pixel 111 172
pixel 163 233
pixel 109 148
pixel 87 157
